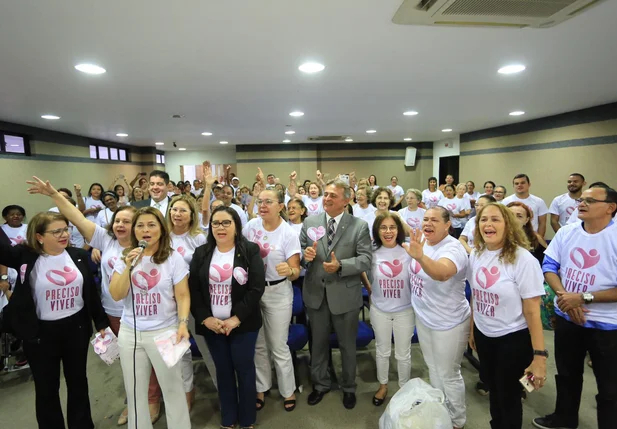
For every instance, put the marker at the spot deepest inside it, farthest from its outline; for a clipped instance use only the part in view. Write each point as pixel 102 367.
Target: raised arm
pixel 111 187
pixel 81 205
pixel 72 213
pixel 292 189
pixel 256 191
pixel 135 179
pixel 205 201
pixel 320 178
pixel 440 270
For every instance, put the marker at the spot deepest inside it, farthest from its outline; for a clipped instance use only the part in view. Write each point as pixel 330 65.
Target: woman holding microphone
pixel 153 285
pixel 280 250
pixel 507 285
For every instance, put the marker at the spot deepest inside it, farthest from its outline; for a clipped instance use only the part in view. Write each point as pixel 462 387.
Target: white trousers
pixel 401 323
pixel 205 354
pixel 170 379
pixel 276 307
pixel 443 353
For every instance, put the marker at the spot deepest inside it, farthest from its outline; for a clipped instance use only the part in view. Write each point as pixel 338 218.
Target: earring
pixel 40 242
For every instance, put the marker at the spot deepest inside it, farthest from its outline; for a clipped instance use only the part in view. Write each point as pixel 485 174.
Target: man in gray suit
pixel 158 193
pixel 336 250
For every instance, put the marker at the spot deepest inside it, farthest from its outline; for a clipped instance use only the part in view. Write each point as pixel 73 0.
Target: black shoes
pixel 551 422
pixel 349 400
pixel 316 396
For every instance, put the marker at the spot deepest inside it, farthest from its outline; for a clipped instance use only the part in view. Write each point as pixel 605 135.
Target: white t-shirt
pixel 563 205
pixel 16 235
pixel 431 199
pixel 153 286
pixel 57 287
pixel 536 204
pixel 574 217
pixel 390 282
pixel 455 206
pixel 588 263
pixel 440 305
pixel 313 206
pixel 241 213
pixel 111 252
pixel 274 246
pixel 362 213
pixel 498 289
pixel 413 219
pixel 397 191
pixel 104 218
pixel 91 203
pixel 77 240
pixel 469 230
pixel 186 244
pixel 221 270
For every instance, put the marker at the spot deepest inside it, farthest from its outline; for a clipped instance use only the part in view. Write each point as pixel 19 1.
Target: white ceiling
pixel 230 66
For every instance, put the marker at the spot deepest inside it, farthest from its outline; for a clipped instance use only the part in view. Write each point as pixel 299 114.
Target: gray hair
pixel 341 185
pixel 416 192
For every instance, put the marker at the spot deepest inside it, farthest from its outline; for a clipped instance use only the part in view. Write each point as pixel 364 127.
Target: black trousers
pixel 65 341
pixel 572 342
pixel 503 361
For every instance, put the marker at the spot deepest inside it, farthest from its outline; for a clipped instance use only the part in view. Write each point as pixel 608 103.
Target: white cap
pixel 235 178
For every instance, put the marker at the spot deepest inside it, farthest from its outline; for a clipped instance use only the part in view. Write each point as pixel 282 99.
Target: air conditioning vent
pixel 327 138
pixel 490 13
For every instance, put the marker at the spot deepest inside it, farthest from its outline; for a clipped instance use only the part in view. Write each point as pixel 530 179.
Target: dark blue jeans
pixel 233 357
pixel 572 342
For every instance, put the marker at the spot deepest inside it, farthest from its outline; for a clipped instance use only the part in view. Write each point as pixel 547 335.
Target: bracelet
pixel 185 320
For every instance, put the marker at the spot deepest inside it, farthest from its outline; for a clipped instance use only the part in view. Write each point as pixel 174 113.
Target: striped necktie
pixel 331 231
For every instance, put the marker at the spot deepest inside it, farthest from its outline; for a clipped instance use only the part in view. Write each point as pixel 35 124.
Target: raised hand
pixel 415 247
pixel 319 175
pixel 293 175
pixel 208 178
pixel 333 265
pixel 283 269
pixel 260 176
pixel 310 252
pixel 37 186
pixel 77 188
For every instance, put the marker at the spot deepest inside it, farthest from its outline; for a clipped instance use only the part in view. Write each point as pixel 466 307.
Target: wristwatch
pixel 543 353
pixel 587 297
pixel 4 278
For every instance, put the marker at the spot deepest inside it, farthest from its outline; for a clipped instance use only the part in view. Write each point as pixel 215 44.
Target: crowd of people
pixel 220 259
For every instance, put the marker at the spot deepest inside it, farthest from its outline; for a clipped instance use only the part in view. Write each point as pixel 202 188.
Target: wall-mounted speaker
pixel 410 157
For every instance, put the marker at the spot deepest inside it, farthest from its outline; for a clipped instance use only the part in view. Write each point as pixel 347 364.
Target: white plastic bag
pixel 417 405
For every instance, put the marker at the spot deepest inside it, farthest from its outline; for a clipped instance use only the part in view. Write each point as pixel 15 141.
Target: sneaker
pixel 482 388
pixel 550 422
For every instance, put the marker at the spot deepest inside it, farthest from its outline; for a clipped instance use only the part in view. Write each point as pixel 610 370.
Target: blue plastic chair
pixel 298 333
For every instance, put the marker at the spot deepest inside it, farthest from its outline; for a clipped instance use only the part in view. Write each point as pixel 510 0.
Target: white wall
pixel 174 159
pixel 446 147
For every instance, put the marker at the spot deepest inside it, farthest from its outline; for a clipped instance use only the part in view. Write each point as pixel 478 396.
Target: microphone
pixel 142 245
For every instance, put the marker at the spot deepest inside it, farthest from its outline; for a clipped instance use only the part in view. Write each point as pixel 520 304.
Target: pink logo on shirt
pixel 111 262
pixel 451 207
pixel 569 210
pixel 241 275
pixel 415 266
pixel 61 278
pixel 220 274
pixel 182 251
pixel 490 277
pixel 146 281
pixel 316 233
pixel 582 259
pixel 313 207
pixel 17 240
pixel 264 248
pixel 391 269
pixel 414 222
pixel 433 198
pixel 22 273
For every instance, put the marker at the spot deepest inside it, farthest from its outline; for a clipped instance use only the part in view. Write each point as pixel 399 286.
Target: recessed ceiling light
pixel 90 68
pixel 410 113
pixel 517 113
pixel 50 117
pixel 296 114
pixel 511 69
pixel 181 148
pixel 290 132
pixel 348 139
pixel 14 145
pixel 122 135
pixel 159 143
pixel 311 67
pixel 286 141
pixel 206 133
pixel 446 130
pixel 371 131
pixel 407 139
pixel 223 142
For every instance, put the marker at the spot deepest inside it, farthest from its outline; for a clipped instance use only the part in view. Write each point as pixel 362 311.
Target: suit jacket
pixel 21 310
pixel 352 248
pixel 244 297
pixel 146 203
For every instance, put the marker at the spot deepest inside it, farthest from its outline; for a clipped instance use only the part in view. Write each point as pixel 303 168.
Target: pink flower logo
pixel 241 275
pixel 264 248
pixel 415 266
pixel 569 210
pixel 17 240
pixel 316 233
pixel 220 274
pixel 487 277
pixel 313 207
pixel 414 222
pixel 584 260
pixel 111 262
pixel 101 344
pixel 391 269
pixel 61 278
pixel 22 272
pixel 181 250
pixel 146 281
pixel 433 198
pixel 451 207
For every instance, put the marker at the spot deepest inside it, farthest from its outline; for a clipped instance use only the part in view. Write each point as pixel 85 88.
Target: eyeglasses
pixel 57 233
pixel 384 228
pixel 266 202
pixel 589 201
pixel 223 223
